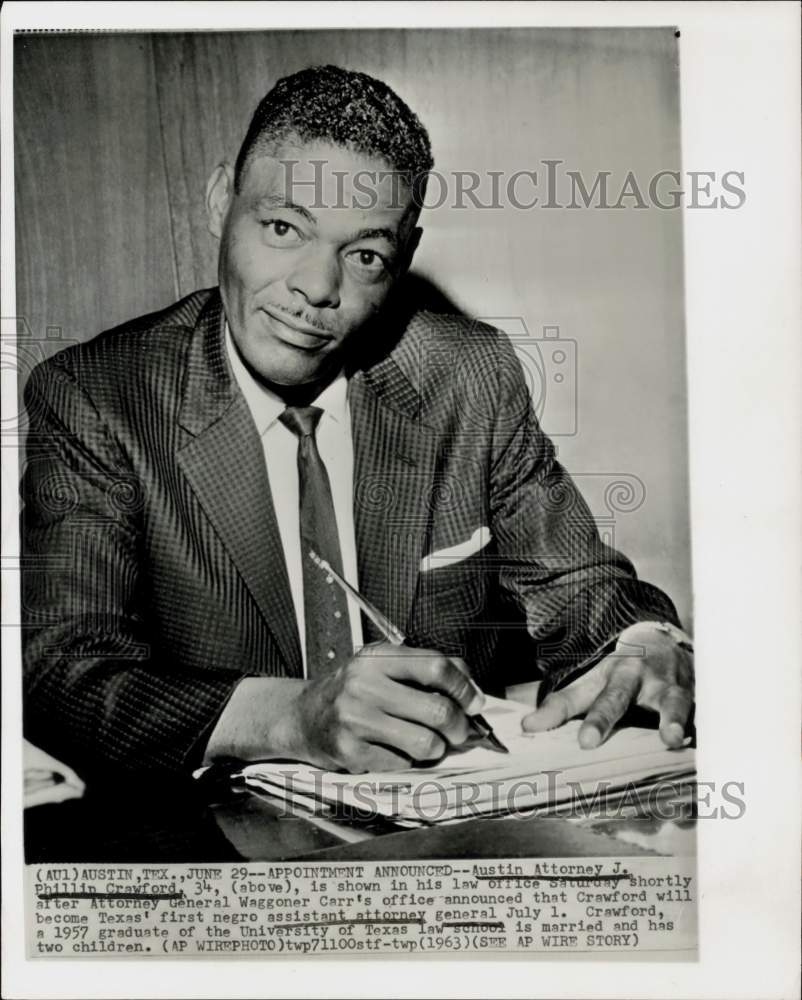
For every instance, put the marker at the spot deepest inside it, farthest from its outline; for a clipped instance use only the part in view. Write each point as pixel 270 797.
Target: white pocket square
pixel 457 553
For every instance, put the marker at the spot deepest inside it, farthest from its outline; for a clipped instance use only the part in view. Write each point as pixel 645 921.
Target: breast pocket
pixel 454 596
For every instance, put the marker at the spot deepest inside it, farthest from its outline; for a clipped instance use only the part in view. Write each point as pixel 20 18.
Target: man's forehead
pixel 320 175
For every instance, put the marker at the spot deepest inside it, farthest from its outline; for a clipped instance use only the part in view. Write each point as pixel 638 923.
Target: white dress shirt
pixel 280 447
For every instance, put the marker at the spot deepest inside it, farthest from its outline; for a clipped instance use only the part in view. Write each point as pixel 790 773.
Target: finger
pixel 618 694
pixel 367 689
pixel 675 709
pixel 365 724
pixel 380 758
pixel 381 648
pixel 572 700
pixel 426 708
pixel 663 674
pixel 464 669
pixel 358 756
pixel 416 743
pixel 461 665
pixel 428 669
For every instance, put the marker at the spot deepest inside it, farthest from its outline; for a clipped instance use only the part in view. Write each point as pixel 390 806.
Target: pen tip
pixel 496 742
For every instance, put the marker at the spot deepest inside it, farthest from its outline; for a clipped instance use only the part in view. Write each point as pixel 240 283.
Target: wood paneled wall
pixel 115 136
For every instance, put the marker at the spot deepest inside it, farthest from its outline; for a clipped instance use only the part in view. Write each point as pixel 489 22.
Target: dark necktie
pixel 328 632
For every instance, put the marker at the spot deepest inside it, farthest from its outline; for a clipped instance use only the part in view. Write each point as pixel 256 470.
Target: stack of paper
pixel 542 772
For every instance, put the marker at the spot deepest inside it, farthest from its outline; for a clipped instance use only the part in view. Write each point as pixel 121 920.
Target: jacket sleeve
pixel 97 693
pixel 575 592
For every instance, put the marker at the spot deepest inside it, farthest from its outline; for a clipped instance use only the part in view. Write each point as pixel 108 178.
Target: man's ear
pixel 410 248
pixel 219 192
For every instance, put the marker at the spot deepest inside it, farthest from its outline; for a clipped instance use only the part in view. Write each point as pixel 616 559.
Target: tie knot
pixel 301 420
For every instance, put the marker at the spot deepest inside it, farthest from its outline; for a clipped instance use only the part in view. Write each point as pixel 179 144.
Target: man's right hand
pixel 388 706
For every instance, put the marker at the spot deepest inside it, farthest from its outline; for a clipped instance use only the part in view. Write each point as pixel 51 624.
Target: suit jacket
pixel 154 578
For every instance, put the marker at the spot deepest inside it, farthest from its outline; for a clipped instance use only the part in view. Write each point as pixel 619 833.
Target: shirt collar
pixel 266 406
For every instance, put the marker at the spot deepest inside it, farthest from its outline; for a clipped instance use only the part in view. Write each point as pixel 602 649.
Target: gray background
pixel 115 136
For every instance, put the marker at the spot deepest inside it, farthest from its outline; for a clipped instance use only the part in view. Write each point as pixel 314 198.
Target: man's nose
pixel 316 275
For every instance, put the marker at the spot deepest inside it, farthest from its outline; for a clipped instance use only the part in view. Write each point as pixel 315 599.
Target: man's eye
pixel 280 233
pixel 368 260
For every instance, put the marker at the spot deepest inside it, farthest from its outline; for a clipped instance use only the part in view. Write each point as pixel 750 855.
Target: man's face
pixel 302 265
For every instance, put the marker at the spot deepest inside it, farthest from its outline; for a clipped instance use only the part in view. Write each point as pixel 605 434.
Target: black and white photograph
pixel 356 586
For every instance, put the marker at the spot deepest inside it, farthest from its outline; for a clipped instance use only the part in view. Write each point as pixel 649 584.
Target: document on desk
pixel 542 772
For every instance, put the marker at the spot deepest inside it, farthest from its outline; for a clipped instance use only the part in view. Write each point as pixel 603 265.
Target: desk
pixel 195 822
pixel 185 823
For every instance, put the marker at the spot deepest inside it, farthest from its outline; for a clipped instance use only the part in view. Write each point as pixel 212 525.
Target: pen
pixel 394 635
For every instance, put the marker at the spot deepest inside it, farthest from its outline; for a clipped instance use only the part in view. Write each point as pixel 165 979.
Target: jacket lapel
pixel 394 462
pixel 224 464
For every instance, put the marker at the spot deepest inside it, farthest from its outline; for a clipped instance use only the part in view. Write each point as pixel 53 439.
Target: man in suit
pixel 181 467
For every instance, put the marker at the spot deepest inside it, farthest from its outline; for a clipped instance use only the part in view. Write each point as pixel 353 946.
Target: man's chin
pixel 291 366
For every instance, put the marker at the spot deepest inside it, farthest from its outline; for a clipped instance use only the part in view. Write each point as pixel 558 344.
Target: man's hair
pixel 344 108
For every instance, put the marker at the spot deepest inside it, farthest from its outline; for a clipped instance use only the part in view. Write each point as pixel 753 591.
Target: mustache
pixel 304 316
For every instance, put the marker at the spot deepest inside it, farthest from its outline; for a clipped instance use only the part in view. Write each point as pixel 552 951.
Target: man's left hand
pixel 647 668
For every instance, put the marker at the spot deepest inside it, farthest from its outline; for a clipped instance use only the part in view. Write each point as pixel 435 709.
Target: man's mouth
pixel 295 332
